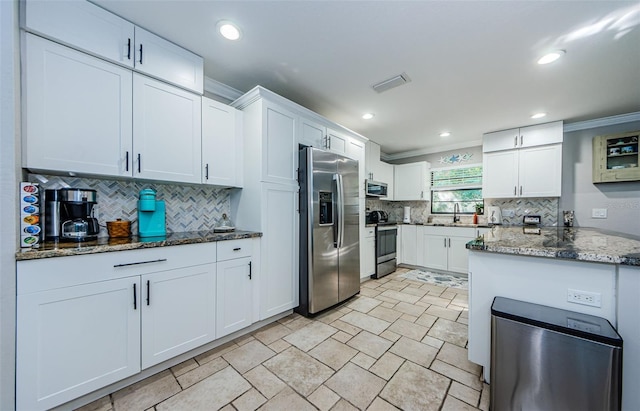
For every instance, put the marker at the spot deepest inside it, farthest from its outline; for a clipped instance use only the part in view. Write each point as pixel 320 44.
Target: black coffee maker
pixel 75 219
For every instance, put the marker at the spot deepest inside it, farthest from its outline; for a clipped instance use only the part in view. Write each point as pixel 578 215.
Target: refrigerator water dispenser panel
pixel 326 207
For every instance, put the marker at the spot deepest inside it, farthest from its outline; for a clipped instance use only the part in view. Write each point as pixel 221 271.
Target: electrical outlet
pixel 584 297
pixel 509 213
pixel 598 213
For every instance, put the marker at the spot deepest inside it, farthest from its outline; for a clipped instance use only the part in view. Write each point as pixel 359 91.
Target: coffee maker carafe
pixel 76 214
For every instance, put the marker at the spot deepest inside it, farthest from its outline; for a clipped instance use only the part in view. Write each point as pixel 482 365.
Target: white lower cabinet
pixel 368 265
pixel 234 309
pixel 73 340
pixel 445 248
pixel 87 321
pixel 409 248
pixel 170 297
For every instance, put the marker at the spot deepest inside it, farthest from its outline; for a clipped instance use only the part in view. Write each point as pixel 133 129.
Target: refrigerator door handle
pixel 341 211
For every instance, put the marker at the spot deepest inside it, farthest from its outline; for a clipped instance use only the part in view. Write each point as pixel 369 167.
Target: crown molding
pixel 602 122
pixel 220 89
pixel 425 151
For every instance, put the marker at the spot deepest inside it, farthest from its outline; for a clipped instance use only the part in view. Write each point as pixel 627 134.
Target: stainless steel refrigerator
pixel 329 230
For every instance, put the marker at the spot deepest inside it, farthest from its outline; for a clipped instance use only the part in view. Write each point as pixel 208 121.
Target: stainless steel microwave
pixel 375 188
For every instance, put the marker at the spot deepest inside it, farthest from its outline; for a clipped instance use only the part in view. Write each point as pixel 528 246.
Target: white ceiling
pixel 472 63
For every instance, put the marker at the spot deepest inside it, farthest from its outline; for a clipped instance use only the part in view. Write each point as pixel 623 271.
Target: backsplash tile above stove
pixel 189 207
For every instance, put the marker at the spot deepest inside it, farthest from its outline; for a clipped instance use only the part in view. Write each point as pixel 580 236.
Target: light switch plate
pixel 598 213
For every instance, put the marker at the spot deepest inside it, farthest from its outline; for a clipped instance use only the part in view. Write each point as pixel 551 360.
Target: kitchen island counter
pixel 573 243
pixel 50 249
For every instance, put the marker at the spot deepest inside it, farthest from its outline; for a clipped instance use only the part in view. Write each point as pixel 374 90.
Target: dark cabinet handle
pixel 126 161
pixel 129 49
pixel 206 171
pixel 249 270
pixel 148 293
pixel 520 190
pixel 140 262
pixel 445 242
pixel 135 298
pixel 139 156
pixel 449 243
pixel 140 53
pixel 237 249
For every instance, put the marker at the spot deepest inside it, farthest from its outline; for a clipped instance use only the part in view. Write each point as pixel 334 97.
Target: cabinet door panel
pixel 74 340
pixel 234 296
pixel 411 181
pixel 221 144
pixel 81 25
pixel 162 59
pixel 541 171
pixel 280 146
pixel 541 134
pixel 311 133
pixel 337 142
pixel 167 131
pixel 77 115
pixel 280 243
pixel 500 174
pixel 435 252
pixel 458 255
pixel 178 309
pixel 500 140
pixel 408 249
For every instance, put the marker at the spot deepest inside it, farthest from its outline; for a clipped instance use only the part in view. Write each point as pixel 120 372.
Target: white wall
pixel 9 177
pixel 622 200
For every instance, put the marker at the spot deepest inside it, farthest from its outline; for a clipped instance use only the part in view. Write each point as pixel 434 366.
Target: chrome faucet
pixel 456 210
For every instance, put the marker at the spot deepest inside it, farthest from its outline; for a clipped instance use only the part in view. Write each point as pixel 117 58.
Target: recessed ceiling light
pixel 368 116
pixel 445 134
pixel 551 57
pixel 228 30
pixel 538 115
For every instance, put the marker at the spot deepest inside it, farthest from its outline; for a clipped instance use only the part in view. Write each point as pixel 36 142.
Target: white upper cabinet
pixel 411 181
pixel 77 111
pixel 500 174
pixel 82 25
pixel 311 133
pixel 524 162
pixel 222 144
pixel 280 145
pixel 540 171
pixel 159 58
pixel 87 27
pixel 336 142
pixel 377 170
pixel 356 151
pixel 541 134
pixel 167 132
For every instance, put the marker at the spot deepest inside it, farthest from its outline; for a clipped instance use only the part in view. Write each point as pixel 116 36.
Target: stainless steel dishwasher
pixel 546 359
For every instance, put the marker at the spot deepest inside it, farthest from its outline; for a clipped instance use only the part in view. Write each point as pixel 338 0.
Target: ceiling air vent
pixel 392 82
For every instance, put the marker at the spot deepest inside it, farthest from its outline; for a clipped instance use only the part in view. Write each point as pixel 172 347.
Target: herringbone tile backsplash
pixel 189 207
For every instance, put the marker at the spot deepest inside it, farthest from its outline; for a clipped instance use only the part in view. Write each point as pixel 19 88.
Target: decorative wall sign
pixel 456 158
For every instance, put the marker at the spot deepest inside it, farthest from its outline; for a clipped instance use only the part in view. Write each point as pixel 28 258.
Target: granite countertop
pixel 575 243
pixel 49 249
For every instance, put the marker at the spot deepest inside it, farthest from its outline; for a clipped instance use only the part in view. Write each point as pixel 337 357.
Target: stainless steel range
pixel 386 237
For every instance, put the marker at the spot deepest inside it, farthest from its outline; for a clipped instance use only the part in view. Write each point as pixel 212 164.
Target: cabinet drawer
pixel 369 231
pixel 50 273
pixel 228 250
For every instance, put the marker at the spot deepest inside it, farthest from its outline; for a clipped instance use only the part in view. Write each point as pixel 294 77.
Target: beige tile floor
pixel 400 344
